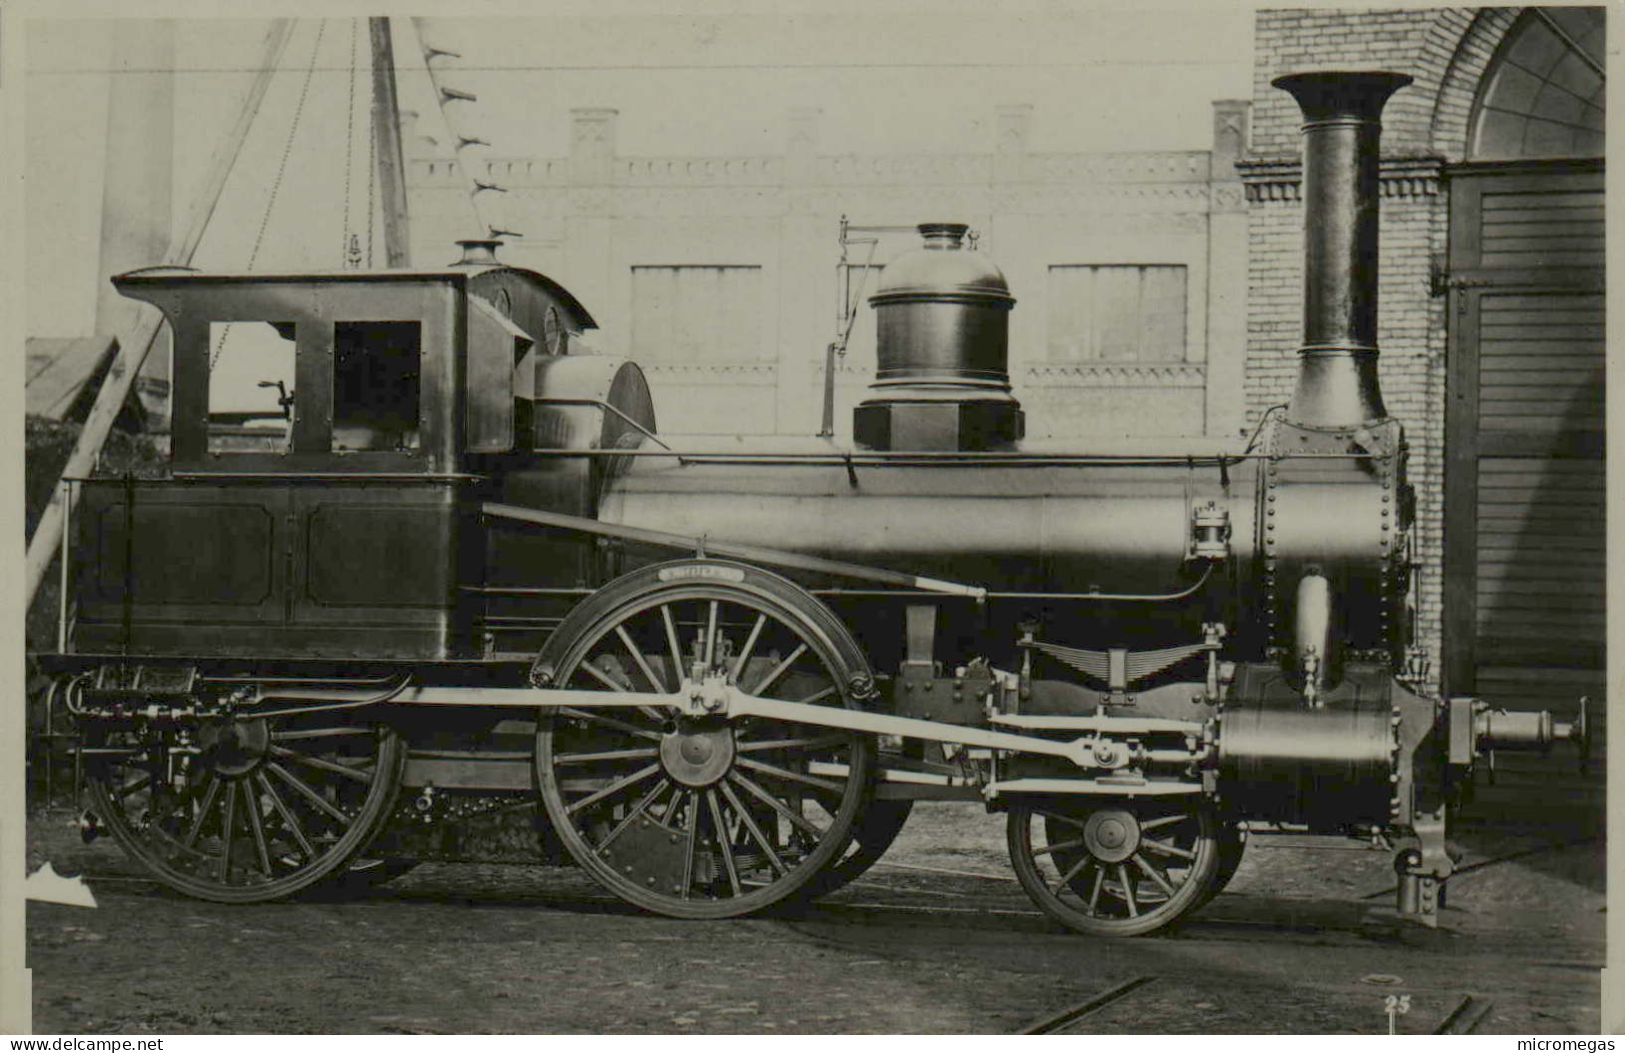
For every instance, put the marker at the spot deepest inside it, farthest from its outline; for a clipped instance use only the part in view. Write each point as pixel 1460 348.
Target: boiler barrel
pixel 1109 528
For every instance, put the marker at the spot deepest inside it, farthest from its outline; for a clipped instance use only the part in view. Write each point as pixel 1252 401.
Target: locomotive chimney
pixel 942 315
pixel 1337 363
pixel 478 252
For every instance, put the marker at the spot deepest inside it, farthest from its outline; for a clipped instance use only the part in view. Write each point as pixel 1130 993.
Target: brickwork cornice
pixel 1282 180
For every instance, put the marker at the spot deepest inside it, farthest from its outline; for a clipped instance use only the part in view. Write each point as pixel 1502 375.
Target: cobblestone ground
pixel 938 938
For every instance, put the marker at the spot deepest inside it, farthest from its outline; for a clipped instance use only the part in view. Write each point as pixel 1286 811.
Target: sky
pixel 887 78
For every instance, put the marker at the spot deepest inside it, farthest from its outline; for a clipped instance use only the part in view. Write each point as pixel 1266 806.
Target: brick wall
pixel 1446 50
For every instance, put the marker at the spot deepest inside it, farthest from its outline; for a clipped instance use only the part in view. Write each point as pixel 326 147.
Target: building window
pixel 1116 313
pixel 1544 93
pixel 377 378
pixel 698 314
pixel 251 395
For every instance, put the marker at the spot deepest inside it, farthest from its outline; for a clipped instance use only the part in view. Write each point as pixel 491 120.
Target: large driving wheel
pixel 244 810
pixel 1232 845
pixel 1115 868
pixel 872 835
pixel 702 817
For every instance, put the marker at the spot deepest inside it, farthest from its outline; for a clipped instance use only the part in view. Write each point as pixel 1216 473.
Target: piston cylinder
pixel 1329 768
pixel 942 380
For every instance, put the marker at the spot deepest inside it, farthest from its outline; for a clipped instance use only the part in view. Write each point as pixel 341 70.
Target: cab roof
pixel 499 275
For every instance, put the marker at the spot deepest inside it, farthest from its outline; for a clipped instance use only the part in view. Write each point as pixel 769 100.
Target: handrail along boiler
pixel 466 579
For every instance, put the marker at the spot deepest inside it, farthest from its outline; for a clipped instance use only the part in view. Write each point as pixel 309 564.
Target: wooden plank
pixel 1588 443
pixel 1549 576
pixel 1539 378
pixel 1539 202
pixel 1571 404
pixel 1502 549
pixel 1520 226
pixel 1510 355
pixel 1536 299
pixel 1516 327
pixel 1538 259
pixel 1460 612
pixel 1494 548
pixel 1544 242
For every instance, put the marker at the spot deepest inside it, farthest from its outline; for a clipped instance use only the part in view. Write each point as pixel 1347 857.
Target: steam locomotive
pixel 470 580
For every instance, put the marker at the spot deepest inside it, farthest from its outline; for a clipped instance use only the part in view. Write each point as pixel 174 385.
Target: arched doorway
pixel 1524 480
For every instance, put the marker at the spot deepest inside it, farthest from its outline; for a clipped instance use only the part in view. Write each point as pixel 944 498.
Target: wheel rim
pixel 1120 868
pixel 1232 846
pixel 703 817
pixel 242 811
pixel 877 826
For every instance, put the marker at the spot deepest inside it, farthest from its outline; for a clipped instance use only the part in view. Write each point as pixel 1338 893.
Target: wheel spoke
pixel 1060 847
pixel 1094 893
pixel 604 678
pixel 228 810
pixel 672 644
pixel 779 670
pixel 755 831
pixel 745 651
pixel 1152 873
pixel 322 764
pixel 613 788
pixel 136 785
pixel 209 795
pixel 806 745
pixel 251 805
pixel 1068 820
pixel 711 635
pixel 304 790
pixel 614 685
pixel 776 772
pixel 317 733
pixel 693 832
pixel 610 722
pixel 1167 820
pixel 1128 891
pixel 289 823
pixel 791 816
pixel 648 672
pixel 817 696
pixel 724 840
pixel 1066 878
pixel 641 808
pixel 640 753
pixel 1167 849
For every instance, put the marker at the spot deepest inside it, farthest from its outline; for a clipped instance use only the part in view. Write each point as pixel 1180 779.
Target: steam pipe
pixel 1337 364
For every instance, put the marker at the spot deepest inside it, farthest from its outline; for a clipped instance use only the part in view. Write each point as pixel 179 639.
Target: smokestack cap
pixel 479 252
pixel 1345 95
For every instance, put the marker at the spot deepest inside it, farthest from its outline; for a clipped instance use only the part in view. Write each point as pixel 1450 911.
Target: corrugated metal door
pixel 1524 489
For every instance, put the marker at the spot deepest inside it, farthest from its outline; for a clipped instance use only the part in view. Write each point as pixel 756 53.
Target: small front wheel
pixel 1114 867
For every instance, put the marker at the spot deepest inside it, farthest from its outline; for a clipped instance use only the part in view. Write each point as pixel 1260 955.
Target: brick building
pixel 724 277
pixel 1491 316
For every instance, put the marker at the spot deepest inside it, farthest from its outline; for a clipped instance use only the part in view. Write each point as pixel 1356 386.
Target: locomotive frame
pixel 456 579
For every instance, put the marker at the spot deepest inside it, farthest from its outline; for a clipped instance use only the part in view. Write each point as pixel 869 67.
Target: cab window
pixel 377 382
pixel 251 392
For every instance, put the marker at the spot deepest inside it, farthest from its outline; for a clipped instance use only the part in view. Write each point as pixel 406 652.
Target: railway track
pixel 1061 1022
pixel 1465 1018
